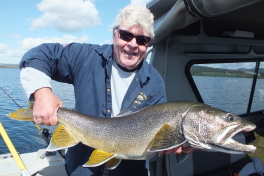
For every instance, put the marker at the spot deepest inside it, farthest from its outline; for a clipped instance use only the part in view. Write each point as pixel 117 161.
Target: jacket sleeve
pixel 32 80
pixel 59 62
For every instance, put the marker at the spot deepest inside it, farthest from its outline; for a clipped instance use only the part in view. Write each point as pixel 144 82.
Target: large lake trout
pixel 138 135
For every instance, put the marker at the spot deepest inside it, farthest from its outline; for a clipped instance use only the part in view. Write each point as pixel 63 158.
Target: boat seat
pixel 201 162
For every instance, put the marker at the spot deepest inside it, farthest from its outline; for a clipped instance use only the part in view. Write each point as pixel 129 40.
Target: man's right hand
pixel 46 106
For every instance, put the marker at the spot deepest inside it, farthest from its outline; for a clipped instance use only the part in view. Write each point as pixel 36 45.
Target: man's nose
pixel 133 43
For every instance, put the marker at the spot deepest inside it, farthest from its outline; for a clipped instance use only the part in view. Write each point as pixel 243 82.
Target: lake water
pixel 230 94
pixel 24 135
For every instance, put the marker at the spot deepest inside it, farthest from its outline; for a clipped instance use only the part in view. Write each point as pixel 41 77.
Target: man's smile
pixel 130 53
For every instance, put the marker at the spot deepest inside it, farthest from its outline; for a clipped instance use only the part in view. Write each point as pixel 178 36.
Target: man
pixel 107 79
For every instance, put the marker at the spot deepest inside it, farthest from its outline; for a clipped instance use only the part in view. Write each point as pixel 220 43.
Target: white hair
pixel 137 15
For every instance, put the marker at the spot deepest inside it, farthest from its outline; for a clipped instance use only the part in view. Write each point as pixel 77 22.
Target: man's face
pixel 128 54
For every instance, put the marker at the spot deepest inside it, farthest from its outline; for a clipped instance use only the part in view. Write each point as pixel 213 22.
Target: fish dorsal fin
pixel 113 163
pixel 22 114
pixel 166 138
pixel 98 157
pixel 61 138
pixel 124 113
pixel 128 112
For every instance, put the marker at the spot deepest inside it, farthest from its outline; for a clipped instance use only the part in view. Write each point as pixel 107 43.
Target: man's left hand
pixel 177 150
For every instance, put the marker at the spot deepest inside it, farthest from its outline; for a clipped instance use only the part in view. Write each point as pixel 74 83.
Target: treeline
pixel 218 72
pixel 9 66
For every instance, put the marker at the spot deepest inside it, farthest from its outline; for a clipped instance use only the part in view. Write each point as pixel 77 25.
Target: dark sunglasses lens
pixel 127 36
pixel 142 40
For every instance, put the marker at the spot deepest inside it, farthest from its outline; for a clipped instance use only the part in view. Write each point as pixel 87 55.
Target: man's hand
pixel 46 106
pixel 177 150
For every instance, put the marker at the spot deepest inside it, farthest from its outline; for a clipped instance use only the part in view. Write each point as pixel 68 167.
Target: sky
pixel 26 24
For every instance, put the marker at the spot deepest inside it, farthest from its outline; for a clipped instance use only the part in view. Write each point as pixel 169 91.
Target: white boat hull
pixel 36 163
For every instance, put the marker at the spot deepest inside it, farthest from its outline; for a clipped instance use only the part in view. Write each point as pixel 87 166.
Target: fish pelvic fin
pixel 22 114
pixel 113 163
pixel 61 138
pixel 166 138
pixel 99 157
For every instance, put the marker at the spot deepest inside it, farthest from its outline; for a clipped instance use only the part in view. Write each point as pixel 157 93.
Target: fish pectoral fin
pixel 99 157
pixel 166 138
pixel 61 138
pixel 113 163
pixel 22 114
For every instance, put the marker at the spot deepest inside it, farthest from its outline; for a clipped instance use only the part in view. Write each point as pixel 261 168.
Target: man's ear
pixel 114 34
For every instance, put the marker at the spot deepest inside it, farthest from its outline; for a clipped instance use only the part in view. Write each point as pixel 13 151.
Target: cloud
pixel 3 48
pixel 10 55
pixel 110 28
pixel 29 43
pixel 13 36
pixel 13 56
pixel 16 36
pixel 106 42
pixel 66 15
pixel 139 2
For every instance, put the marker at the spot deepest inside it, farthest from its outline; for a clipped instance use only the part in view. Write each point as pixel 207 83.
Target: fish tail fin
pixel 22 114
pixel 61 138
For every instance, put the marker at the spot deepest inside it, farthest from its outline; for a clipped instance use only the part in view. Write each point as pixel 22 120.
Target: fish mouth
pixel 226 144
pixel 233 147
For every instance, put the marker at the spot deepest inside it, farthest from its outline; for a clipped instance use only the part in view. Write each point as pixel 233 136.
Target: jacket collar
pixel 144 72
pixel 107 52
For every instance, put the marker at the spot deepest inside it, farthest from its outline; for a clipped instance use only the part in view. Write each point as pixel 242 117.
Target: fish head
pixel 209 128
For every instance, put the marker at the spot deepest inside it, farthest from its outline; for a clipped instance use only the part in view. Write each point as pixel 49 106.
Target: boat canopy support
pixel 185 12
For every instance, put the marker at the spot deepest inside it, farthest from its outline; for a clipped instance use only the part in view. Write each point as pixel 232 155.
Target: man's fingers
pixel 48 120
pixel 171 151
pixel 46 106
pixel 177 150
pixel 38 121
pixel 53 119
pixel 161 153
pixel 187 150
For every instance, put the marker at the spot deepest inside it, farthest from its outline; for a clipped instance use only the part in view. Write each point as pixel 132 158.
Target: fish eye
pixel 229 117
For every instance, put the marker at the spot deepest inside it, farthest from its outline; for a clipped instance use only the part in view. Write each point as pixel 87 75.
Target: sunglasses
pixel 128 36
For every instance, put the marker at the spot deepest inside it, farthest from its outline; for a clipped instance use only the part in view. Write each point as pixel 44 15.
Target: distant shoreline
pixel 9 66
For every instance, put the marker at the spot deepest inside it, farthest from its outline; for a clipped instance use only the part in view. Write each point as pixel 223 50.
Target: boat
pixel 193 39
